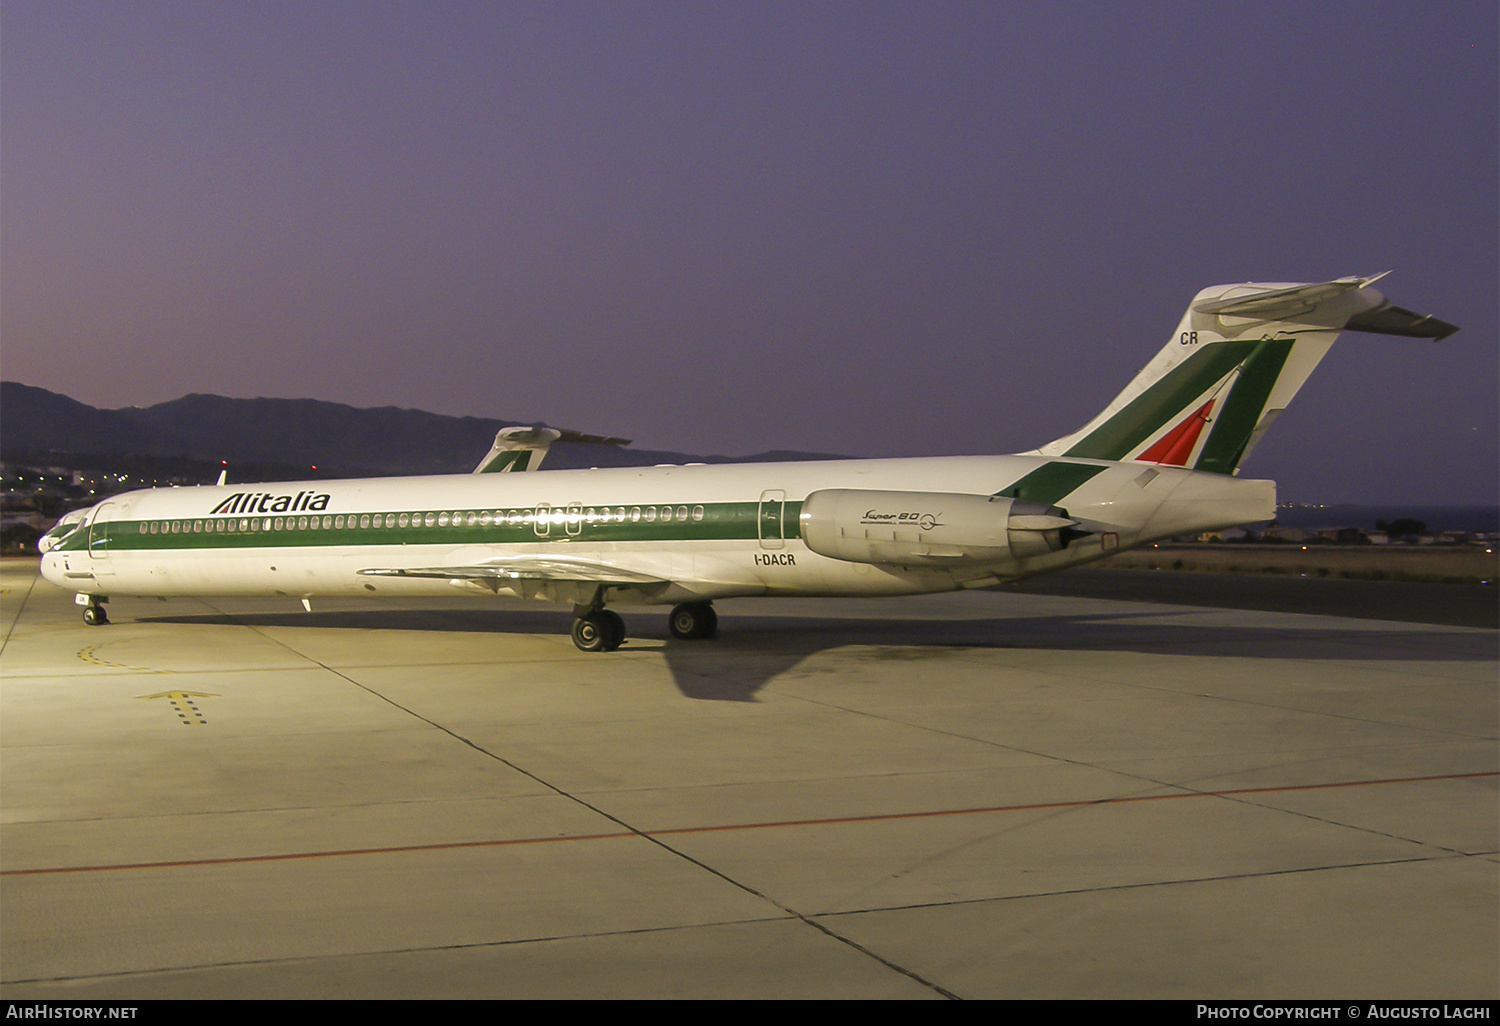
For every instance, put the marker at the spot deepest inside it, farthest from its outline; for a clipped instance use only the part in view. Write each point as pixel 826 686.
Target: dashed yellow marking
pixel 88 656
pixel 182 701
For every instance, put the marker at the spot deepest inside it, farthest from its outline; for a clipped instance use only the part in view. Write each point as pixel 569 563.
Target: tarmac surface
pixel 1001 794
pixel 1459 605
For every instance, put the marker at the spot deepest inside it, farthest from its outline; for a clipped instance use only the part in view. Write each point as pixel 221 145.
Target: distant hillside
pixel 294 432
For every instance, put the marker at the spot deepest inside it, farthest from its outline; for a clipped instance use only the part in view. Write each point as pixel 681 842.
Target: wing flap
pixel 532 568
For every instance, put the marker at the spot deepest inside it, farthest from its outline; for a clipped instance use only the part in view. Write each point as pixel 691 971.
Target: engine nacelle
pixel 929 528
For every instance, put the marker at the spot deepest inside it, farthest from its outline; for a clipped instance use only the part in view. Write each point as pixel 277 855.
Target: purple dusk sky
pixel 880 229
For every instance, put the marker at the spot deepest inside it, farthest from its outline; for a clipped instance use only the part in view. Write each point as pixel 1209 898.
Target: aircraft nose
pixel 52 569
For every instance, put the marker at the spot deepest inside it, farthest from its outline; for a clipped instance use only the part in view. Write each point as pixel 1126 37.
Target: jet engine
pixel 930 528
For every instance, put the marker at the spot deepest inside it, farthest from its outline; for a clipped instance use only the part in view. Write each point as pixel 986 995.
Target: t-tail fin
pixel 523 448
pixel 1236 360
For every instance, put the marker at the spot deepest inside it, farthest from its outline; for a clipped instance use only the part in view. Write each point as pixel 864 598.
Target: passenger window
pixel 635 514
pixel 650 514
pixel 697 513
pixel 364 520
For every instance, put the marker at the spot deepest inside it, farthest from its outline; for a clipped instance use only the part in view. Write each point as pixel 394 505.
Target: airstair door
pixel 769 521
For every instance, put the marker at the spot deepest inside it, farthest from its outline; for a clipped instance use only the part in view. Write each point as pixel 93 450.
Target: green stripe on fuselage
pixel 1150 411
pixel 721 521
pixel 1048 483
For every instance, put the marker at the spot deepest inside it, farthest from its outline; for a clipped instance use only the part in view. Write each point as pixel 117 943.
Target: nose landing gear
pixel 93 609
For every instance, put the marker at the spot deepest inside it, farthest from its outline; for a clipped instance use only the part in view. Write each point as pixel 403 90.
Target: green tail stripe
pixel 520 458
pixel 1149 412
pixel 1236 421
pixel 1048 483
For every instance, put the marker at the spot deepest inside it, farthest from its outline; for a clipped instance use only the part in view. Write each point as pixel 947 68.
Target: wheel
pixel 94 616
pixel 616 628
pixel 592 633
pixel 693 620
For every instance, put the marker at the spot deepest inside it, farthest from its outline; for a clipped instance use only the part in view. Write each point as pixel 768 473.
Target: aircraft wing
pixel 532 568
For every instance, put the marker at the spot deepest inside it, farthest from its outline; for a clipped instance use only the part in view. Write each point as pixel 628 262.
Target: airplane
pixel 1161 460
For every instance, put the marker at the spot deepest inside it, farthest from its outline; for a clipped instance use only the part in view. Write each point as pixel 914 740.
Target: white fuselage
pixel 685 532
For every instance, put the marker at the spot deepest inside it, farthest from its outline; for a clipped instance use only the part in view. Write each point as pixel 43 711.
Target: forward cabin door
pixel 99 537
pixel 770 525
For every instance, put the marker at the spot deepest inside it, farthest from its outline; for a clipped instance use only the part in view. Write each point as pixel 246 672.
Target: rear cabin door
pixel 770 527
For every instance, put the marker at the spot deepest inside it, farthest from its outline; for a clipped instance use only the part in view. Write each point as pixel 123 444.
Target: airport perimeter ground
pixel 999 794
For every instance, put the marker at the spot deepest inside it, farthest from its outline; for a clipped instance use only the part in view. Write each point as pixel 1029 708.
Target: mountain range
pixel 344 440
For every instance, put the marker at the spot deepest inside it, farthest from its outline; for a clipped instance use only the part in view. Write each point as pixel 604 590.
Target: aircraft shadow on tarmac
pixel 752 650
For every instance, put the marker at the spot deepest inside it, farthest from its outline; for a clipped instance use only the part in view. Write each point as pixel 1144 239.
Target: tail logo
pixel 1174 447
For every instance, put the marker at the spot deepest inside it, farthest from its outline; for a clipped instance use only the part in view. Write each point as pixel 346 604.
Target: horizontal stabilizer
pixel 1389 319
pixel 1281 304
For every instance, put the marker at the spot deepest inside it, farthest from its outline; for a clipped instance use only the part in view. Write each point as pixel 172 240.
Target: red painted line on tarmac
pixel 885 817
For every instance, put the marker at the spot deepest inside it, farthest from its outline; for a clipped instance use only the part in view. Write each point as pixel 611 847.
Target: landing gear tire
pixel 599 631
pixel 693 620
pixel 616 624
pixel 95 616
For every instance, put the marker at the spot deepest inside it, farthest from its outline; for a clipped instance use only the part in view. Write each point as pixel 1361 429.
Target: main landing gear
pixel 693 620
pixel 596 629
pixel 599 631
pixel 93 609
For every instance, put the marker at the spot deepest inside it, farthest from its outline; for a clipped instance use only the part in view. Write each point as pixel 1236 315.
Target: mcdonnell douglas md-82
pixel 1161 460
